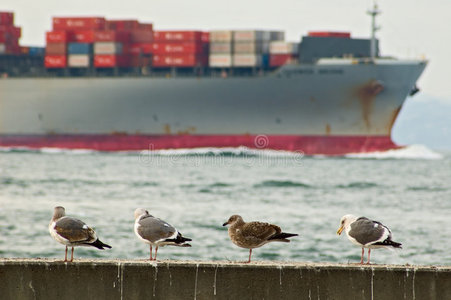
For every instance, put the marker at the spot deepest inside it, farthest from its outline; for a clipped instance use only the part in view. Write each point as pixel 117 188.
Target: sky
pixel 409 29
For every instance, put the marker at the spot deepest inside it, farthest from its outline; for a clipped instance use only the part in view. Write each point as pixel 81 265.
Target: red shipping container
pixel 146 26
pixel 56 48
pixel 277 60
pixel 55 61
pixel 83 36
pixel 78 23
pixel 121 24
pixel 180 48
pixel 6 18
pixel 111 36
pixel 140 61
pixel 111 60
pixel 13 31
pixel 59 37
pixel 12 48
pixel 190 60
pixel 205 37
pixel 177 36
pixel 329 34
pixel 141 36
pixel 141 48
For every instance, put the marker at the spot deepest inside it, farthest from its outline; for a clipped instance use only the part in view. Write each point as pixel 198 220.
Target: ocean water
pixel 408 190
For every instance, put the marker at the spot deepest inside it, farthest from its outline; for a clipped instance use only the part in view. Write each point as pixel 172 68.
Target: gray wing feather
pixel 366 231
pixel 154 229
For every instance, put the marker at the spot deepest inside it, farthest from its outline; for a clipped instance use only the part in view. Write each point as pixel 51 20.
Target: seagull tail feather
pixel 282 236
pixel 99 245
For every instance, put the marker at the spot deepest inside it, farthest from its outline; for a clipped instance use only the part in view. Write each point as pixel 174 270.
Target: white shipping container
pixel 107 48
pixel 221 47
pixel 221 36
pixel 2 48
pixel 220 60
pixel 251 35
pixel 78 60
pixel 247 60
pixel 251 47
pixel 279 47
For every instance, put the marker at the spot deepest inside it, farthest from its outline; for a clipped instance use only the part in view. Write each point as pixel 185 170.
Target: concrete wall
pixel 120 279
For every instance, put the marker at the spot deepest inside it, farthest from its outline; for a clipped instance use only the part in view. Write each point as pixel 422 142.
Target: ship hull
pixel 315 109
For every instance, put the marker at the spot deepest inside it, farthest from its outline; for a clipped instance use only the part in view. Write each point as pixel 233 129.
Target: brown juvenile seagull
pixel 254 234
pixel 72 232
pixel 367 233
pixel 156 232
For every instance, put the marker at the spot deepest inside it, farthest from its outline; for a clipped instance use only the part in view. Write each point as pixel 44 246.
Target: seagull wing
pixel 368 232
pixel 259 230
pixel 155 230
pixel 74 230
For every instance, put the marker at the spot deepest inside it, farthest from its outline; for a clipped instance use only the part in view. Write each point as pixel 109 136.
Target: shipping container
pixel 107 48
pixel 125 25
pixel 141 36
pixel 2 48
pixel 146 26
pixel 36 51
pixel 277 60
pixel 220 60
pixel 205 37
pixel 55 61
pixel 281 47
pixel 83 36
pixel 59 37
pixel 329 34
pixel 6 18
pixel 221 36
pixel 141 48
pixel 56 48
pixel 180 48
pixel 256 47
pixel 251 35
pixel 111 36
pixel 79 48
pixel 13 31
pixel 187 60
pixel 177 36
pixel 111 61
pixel 78 23
pixel 78 60
pixel 277 36
pixel 140 60
pixel 247 60
pixel 221 48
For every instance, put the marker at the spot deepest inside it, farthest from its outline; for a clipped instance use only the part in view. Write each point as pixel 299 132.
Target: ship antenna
pixel 373 13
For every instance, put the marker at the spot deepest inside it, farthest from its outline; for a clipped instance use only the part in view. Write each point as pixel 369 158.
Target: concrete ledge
pixel 136 279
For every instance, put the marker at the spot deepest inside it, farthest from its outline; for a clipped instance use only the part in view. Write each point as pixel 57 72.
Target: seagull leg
pixel 369 252
pixel 151 252
pixel 361 258
pixel 250 253
pixel 72 255
pixel 65 255
pixel 156 249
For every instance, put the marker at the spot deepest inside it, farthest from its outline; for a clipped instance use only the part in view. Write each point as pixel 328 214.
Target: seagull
pixel 254 234
pixel 367 233
pixel 156 232
pixel 72 232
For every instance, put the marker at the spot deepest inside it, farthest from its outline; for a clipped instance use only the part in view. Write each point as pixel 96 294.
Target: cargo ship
pixel 119 85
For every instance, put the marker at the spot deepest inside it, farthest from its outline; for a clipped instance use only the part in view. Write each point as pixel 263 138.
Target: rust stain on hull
pixel 393 117
pixel 328 129
pixel 366 94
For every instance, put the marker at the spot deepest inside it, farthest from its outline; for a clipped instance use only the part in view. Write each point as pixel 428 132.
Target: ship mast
pixel 373 13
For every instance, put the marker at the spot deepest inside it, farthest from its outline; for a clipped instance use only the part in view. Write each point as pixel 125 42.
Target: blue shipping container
pixel 79 48
pixel 36 51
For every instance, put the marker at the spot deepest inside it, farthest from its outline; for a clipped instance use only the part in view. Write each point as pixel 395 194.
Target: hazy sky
pixel 409 29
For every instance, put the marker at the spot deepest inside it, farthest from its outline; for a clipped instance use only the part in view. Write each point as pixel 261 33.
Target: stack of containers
pixel 141 39
pixel 9 34
pixel 221 49
pixel 281 53
pixel 110 48
pixel 251 47
pixel 185 49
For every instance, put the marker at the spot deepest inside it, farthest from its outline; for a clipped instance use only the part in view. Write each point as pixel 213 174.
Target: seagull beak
pixel 225 224
pixel 340 230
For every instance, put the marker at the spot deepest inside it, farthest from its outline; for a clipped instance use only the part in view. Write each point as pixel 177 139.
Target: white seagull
pixel 72 232
pixel 156 232
pixel 367 233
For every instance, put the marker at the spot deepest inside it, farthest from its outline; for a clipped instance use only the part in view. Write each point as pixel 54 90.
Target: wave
pixel 408 152
pixel 281 183
pixel 358 185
